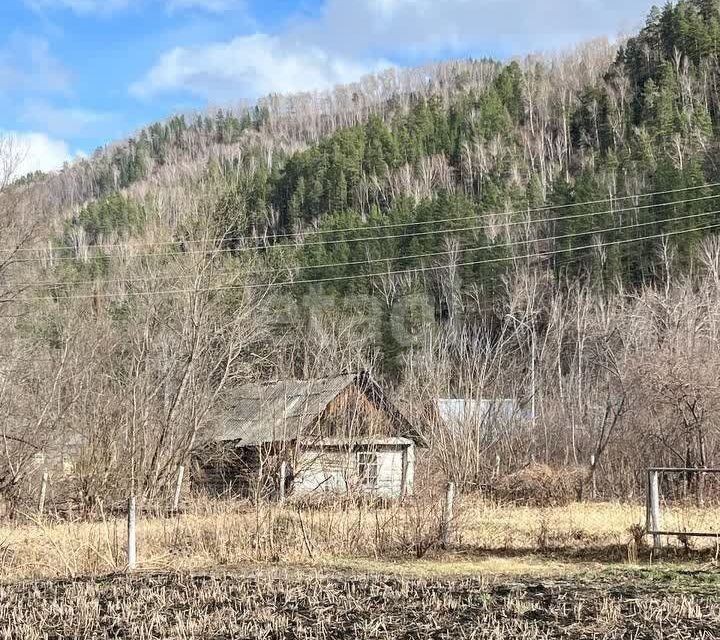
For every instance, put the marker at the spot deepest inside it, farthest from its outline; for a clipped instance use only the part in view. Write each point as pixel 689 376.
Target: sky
pixel 78 74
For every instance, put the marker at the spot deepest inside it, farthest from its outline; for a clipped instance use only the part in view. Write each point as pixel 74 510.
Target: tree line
pixel 143 280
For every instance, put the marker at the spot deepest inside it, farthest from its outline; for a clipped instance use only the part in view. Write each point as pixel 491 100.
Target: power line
pixel 624 252
pixel 366 261
pixel 493 260
pixel 270 285
pixel 370 238
pixel 303 234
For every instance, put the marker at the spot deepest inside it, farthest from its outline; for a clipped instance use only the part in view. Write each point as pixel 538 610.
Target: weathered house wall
pixel 335 435
pixel 351 414
pixel 389 469
pixel 229 472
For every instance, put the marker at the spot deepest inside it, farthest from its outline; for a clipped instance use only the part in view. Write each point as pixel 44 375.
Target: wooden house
pixel 336 435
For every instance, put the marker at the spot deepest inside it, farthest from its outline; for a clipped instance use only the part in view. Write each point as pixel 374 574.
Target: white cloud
pixel 36 151
pixel 26 63
pixel 87 7
pixel 64 122
pixel 349 38
pixel 388 7
pixel 427 27
pixel 213 6
pixel 250 66
pixel 80 6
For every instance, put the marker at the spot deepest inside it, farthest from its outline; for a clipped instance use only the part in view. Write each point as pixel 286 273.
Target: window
pixel 368 469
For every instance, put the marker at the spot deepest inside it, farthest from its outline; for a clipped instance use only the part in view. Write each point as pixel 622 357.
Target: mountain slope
pixel 469 228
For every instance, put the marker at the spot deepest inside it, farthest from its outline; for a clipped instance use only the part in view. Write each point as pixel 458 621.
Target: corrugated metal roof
pixel 379 441
pixel 278 411
pixel 461 410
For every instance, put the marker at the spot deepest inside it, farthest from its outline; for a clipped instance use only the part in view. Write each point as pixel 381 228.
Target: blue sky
pixel 77 74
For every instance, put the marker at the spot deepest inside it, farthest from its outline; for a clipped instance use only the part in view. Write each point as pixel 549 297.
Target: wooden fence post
pixel 700 490
pixel 43 492
pixel 178 488
pixel 447 517
pixel 653 507
pixel 282 480
pixel 132 535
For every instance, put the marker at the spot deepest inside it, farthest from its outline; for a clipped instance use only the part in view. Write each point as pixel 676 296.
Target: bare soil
pixel 610 604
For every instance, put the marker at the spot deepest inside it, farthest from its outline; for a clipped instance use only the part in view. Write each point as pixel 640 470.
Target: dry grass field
pixel 230 534
pixel 228 570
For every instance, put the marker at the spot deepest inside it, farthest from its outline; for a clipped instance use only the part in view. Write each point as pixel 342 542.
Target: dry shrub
pixel 540 485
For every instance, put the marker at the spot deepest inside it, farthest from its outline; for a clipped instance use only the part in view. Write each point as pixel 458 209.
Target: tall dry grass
pixel 226 533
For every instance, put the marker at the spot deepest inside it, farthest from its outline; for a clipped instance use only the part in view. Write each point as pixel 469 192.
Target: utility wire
pixel 276 284
pixel 411 235
pixel 492 260
pixel 549 207
pixel 74 283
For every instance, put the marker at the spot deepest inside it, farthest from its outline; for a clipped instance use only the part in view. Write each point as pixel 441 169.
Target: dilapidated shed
pixel 336 434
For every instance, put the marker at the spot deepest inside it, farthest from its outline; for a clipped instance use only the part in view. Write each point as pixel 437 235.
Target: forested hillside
pixel 542 229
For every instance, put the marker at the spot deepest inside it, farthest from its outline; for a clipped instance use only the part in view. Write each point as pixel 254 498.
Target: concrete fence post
pixel 282 481
pixel 178 488
pixel 653 500
pixel 43 492
pixel 132 535
pixel 447 516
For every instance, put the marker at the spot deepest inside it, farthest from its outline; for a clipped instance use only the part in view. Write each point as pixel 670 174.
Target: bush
pixel 541 485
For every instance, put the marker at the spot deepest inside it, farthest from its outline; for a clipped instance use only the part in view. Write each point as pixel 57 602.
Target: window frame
pixel 368 467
